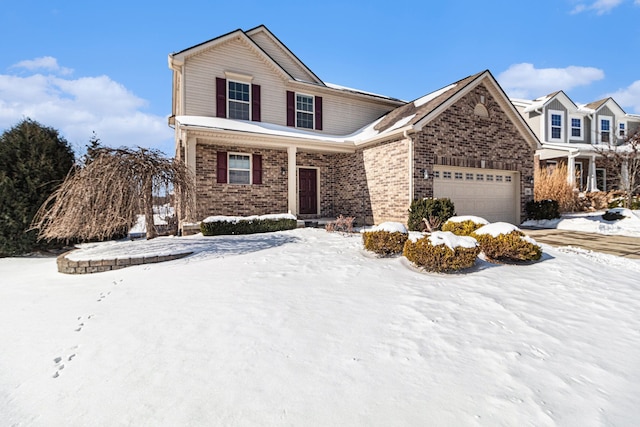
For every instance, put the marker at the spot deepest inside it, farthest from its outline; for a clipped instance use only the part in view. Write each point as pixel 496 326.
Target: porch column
pixel 592 182
pixel 292 196
pixel 571 170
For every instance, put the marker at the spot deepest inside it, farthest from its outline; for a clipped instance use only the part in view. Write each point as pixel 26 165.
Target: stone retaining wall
pixel 68 266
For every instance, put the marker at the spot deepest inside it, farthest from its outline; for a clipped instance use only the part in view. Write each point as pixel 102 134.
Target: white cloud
pixel 45 63
pixel 79 106
pixel 525 81
pixel 599 6
pixel 629 97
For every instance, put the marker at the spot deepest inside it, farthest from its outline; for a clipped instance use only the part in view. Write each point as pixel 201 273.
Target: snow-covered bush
pixel 616 214
pixel 225 225
pixel 429 214
pixel 385 239
pixel 442 251
pixel 342 224
pixel 464 225
pixel 503 242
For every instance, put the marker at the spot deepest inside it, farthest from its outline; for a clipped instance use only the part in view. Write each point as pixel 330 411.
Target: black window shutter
pixel 291 108
pixel 221 97
pixel 255 103
pixel 318 106
pixel 222 167
pixel 257 169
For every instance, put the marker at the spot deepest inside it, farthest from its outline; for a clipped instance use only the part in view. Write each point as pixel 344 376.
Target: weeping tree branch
pixel 103 199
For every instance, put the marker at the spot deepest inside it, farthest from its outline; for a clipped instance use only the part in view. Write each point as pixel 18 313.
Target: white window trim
pixel 576 138
pixel 312 112
pixel 229 154
pixel 229 100
pixel 626 128
pixel 599 137
pixel 562 125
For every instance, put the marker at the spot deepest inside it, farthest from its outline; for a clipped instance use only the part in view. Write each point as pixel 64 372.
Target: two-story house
pixel 572 134
pixel 263 134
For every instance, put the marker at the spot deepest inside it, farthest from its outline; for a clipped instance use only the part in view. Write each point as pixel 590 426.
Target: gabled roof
pixel 178 58
pixel 539 103
pixel 422 110
pixel 597 105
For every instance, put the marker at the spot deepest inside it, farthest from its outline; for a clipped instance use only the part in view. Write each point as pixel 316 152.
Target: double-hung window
pixel 605 129
pixel 239 100
pixel 304 111
pixel 555 125
pixel 576 128
pixel 622 129
pixel 239 169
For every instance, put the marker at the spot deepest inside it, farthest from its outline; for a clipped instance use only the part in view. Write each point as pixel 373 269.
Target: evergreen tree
pixel 34 160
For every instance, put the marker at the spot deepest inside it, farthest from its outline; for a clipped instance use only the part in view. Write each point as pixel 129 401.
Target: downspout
pixel 406 136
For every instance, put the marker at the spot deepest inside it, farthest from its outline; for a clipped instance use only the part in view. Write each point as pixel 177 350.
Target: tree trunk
pixel 148 210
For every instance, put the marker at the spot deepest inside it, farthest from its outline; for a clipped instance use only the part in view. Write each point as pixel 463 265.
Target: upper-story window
pixel 239 100
pixel 576 128
pixel 604 125
pixel 555 125
pixel 304 111
pixel 622 129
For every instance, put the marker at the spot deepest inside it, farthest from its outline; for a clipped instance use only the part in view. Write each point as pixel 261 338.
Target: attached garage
pixel 489 193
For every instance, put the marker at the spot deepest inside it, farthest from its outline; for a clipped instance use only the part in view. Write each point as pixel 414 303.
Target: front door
pixel 308 191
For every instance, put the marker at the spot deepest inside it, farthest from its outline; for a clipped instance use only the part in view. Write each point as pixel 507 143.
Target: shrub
pixel 384 243
pixel 616 214
pixel 247 226
pixel 463 225
pixel 551 184
pixel 440 257
pixel 620 201
pixel 506 245
pixel 542 209
pixel 429 214
pixel 342 224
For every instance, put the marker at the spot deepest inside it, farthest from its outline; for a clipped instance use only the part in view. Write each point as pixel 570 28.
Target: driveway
pixel 622 246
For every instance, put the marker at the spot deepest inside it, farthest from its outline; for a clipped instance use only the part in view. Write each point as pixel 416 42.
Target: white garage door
pixel 491 194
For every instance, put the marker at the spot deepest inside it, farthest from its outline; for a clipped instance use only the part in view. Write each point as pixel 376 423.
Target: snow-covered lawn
pixel 305 328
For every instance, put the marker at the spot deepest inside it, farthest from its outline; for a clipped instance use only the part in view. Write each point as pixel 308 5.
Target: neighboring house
pixel 572 134
pixel 263 134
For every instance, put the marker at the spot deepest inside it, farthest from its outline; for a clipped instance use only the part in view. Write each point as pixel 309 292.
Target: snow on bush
pixel 442 251
pixel 386 239
pixel 464 225
pixel 228 225
pixel 504 242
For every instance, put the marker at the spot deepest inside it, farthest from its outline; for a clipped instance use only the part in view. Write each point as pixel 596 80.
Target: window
pixel 601 179
pixel 458 175
pixel 304 111
pixel 469 177
pixel 604 128
pixel 489 177
pixel 446 175
pixel 479 177
pixel 499 178
pixel 239 100
pixel 576 128
pixel 622 129
pixel 239 169
pixel 436 174
pixel 555 125
pixel 507 178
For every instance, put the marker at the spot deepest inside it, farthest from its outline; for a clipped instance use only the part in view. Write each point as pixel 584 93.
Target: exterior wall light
pixel 425 173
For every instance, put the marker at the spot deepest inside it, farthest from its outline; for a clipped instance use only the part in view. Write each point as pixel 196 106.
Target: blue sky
pixel 83 66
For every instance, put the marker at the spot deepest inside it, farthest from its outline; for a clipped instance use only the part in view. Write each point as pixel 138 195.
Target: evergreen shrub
pixel 461 228
pixel 384 243
pixel 435 211
pixel 246 226
pixel 439 258
pixel 510 247
pixel 542 209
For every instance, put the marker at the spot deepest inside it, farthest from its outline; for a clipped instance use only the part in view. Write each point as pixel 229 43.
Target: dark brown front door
pixel 308 191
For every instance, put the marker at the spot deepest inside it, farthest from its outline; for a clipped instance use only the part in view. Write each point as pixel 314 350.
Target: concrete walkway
pixel 622 246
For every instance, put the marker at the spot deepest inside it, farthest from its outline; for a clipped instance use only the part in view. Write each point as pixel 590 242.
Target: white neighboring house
pixel 570 134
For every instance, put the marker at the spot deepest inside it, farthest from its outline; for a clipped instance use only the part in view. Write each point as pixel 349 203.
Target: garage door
pixel 491 194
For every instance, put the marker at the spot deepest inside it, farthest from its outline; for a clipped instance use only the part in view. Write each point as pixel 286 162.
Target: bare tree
pixel 103 199
pixel 625 160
